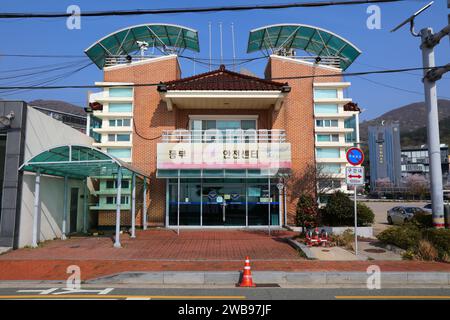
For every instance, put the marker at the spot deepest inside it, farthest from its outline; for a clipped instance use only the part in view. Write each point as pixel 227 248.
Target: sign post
pixel 354 176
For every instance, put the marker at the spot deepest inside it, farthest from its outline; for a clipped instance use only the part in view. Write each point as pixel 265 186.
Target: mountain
pixel 58 105
pixel 413 121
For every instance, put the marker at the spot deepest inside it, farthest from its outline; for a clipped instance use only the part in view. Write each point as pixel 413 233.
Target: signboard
pixel 354 175
pixel 223 155
pixel 355 156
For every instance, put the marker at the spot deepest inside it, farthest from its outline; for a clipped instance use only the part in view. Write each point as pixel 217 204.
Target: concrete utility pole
pixel 432 74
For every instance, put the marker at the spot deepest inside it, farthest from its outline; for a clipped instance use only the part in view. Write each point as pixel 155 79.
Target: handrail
pixel 228 136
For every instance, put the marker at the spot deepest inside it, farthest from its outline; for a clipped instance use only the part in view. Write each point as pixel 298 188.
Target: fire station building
pixel 218 148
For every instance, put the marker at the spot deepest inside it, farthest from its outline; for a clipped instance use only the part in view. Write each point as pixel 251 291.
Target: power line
pixel 349 74
pixel 15 15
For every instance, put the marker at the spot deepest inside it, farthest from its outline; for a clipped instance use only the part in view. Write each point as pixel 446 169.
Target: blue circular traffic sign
pixel 355 156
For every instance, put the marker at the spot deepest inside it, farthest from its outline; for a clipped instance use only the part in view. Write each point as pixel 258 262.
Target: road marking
pixel 90 296
pixel 393 297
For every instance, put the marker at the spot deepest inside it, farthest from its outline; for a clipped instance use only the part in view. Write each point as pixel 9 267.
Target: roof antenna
pixel 234 49
pixel 221 44
pixel 210 50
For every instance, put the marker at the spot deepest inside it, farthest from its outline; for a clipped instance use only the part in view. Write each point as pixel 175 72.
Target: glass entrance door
pixel 224 205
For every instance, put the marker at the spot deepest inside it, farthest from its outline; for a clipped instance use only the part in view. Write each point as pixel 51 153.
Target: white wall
pixel 42 133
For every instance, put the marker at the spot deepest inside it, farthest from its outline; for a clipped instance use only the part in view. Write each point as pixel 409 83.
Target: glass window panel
pixel 327 152
pixel 323 137
pixel 111 137
pixel 123 137
pixel 120 107
pixel 248 124
pixel 119 152
pixel 326 108
pixel 325 93
pixel 112 123
pixel 126 122
pixel 120 92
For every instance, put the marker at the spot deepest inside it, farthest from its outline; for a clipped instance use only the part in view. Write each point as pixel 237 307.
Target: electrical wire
pixel 15 15
pixel 348 74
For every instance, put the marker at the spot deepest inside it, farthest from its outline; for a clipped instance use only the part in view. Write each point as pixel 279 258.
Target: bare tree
pixel 417 185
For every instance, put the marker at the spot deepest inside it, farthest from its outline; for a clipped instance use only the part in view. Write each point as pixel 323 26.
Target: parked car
pixel 427 208
pixel 402 214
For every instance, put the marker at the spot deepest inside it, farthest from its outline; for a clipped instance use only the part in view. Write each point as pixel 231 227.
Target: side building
pixel 384 155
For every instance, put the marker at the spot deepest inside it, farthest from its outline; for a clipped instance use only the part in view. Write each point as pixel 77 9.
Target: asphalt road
pixel 235 294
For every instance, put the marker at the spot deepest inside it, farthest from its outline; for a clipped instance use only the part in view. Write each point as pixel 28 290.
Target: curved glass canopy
pixel 166 37
pixel 316 41
pixel 78 162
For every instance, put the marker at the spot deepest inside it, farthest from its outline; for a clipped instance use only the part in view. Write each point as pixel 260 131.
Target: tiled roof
pixel 222 79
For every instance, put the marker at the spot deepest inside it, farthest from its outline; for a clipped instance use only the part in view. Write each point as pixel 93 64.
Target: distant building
pixel 415 160
pixel 69 114
pixel 384 153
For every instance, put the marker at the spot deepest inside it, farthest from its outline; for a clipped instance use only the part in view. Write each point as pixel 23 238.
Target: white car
pixel 402 214
pixel 427 208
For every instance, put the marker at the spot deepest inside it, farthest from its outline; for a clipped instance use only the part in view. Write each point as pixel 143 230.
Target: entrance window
pixel 226 128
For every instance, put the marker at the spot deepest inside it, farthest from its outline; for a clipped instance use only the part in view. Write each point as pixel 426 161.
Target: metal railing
pixel 113 60
pixel 322 60
pixel 224 136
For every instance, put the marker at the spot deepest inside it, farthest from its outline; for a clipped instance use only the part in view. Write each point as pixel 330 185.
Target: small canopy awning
pixel 314 40
pixel 126 41
pixel 77 162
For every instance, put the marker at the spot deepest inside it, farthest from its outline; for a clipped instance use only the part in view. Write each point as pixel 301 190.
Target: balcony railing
pixel 224 136
pixel 113 60
pixel 331 61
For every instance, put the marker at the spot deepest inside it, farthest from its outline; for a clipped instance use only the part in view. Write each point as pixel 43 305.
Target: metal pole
pixel 34 241
pixel 356 220
pixel 434 150
pixel 268 222
pixel 210 46
pixel 133 205
pixel 178 206
pixel 64 222
pixel 234 49
pixel 118 198
pixel 221 44
pixel 85 198
pixel 285 206
pixel 144 204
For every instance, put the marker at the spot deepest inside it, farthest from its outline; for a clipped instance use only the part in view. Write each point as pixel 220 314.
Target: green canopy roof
pixel 124 41
pixel 78 162
pixel 317 41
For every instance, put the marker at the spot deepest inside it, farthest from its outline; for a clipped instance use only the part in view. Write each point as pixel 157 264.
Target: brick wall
pixel 296 115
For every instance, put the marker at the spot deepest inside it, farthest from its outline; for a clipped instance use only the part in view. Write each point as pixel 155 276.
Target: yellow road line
pixel 392 297
pixel 94 296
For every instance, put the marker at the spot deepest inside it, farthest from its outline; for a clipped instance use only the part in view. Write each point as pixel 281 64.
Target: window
pixel 119 137
pixel 119 152
pixel 327 138
pixel 325 93
pixel 330 168
pixel 327 123
pixel 223 124
pixel 123 200
pixel 326 108
pixel 120 107
pixel 112 184
pixel 325 153
pixel 119 122
pixel 329 184
pixel 121 92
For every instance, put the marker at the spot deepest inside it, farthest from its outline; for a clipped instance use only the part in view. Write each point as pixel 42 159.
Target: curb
pixel 275 277
pixel 301 247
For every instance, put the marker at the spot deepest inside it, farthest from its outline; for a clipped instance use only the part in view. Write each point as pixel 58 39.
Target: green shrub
pixel 423 220
pixel 440 238
pixel 405 237
pixel 306 211
pixel 365 215
pixel 339 211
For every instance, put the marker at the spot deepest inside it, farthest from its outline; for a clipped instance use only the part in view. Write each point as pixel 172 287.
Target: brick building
pixel 221 147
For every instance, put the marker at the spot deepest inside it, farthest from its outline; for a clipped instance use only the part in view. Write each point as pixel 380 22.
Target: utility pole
pixel 432 74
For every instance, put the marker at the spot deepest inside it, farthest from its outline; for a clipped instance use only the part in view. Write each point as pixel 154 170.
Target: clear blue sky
pixel 381 49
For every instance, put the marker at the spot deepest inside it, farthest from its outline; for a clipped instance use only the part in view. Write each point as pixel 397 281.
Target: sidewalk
pixel 164 250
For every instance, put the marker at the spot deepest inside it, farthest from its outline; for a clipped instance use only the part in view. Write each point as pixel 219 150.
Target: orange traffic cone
pixel 247 280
